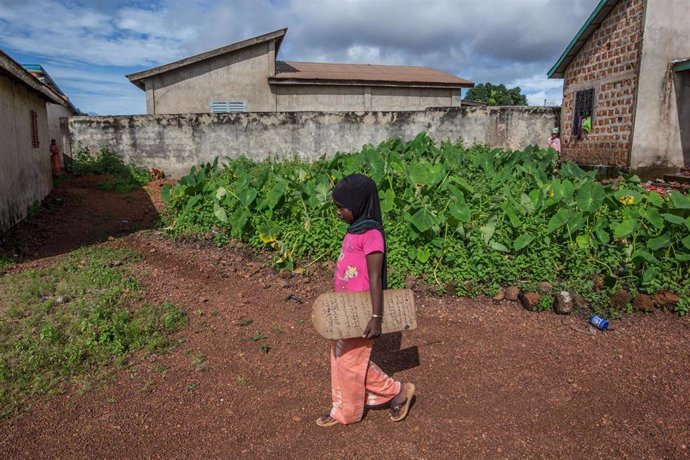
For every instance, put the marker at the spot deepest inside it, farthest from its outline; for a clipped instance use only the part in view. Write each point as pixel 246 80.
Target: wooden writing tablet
pixel 344 315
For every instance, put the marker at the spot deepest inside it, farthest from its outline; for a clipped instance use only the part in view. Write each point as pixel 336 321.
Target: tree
pixel 496 95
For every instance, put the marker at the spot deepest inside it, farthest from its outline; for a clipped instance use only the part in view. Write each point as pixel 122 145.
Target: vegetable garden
pixel 472 217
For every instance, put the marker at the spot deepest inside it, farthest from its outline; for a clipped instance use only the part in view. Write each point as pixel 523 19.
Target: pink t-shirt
pixel 555 143
pixel 351 274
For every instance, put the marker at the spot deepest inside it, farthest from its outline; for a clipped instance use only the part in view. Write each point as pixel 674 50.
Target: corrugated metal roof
pixel 312 72
pixel 13 69
pixel 598 16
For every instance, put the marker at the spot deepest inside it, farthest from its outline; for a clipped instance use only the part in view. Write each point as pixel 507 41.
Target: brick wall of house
pixel 609 63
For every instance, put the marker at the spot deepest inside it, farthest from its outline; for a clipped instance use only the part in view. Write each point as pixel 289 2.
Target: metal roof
pixel 302 73
pixel 598 16
pixel 139 77
pixel 681 65
pixel 11 68
pixel 40 73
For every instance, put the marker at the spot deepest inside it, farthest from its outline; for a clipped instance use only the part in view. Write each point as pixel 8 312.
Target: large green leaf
pixel 423 219
pixel 423 255
pixel 387 201
pixel 460 210
pixel 623 229
pixel 559 219
pixel 522 241
pixel 276 193
pixel 527 203
pixel 583 241
pixel 165 193
pixel 678 200
pixel 674 219
pixel 644 255
pixel 487 230
pixel 220 213
pixel 659 242
pixel 655 199
pixel 653 217
pixel 247 196
pixel 496 246
pixel 590 197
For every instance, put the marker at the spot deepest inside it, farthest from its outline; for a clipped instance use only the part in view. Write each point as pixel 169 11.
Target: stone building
pixel 25 172
pixel 625 91
pixel 246 77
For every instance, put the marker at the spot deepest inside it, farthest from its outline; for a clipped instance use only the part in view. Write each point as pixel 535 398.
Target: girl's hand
pixel 373 329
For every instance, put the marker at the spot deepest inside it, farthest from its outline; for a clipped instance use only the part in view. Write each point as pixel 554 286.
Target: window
pixel 584 109
pixel 228 107
pixel 34 129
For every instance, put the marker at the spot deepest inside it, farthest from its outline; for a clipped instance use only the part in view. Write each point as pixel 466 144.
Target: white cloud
pixel 499 41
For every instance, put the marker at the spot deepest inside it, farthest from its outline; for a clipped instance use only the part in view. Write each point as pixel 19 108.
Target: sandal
pixel 399 411
pixel 326 420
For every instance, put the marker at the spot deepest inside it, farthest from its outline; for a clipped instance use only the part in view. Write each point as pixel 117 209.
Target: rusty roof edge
pixel 136 78
pixel 20 73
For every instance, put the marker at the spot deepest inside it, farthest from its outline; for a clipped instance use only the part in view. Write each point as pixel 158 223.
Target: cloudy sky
pixel 89 46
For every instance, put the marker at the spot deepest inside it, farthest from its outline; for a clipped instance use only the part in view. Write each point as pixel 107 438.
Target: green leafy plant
pixel 105 162
pixel 477 217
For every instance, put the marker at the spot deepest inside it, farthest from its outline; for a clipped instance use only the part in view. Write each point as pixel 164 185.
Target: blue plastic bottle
pixel 599 322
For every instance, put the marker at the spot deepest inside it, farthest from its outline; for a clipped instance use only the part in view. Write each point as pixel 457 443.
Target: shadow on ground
pixel 80 211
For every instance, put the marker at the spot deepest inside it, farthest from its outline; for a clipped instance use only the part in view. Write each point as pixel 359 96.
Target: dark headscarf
pixel 358 193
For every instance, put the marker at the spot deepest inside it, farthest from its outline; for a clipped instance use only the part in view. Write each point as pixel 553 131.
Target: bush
pixel 478 217
pixel 106 162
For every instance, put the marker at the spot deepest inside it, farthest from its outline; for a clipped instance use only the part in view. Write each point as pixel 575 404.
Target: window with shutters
pixel 34 129
pixel 228 106
pixel 584 109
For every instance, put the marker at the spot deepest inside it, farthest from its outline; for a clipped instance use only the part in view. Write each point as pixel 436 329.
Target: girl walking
pixel 356 381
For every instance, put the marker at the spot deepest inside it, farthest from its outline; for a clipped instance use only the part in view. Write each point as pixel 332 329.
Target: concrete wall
pixel 55 112
pixel 657 139
pixel 175 143
pixel 608 63
pixel 25 174
pixel 361 98
pixel 238 77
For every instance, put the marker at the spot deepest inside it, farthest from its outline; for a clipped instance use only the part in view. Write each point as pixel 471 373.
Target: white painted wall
pixel 656 135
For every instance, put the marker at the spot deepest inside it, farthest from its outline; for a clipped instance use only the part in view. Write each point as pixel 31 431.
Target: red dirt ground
pixel 494 381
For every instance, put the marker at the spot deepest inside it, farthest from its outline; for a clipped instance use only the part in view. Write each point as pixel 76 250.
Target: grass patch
pixel 72 321
pixel 5 262
pixel 126 177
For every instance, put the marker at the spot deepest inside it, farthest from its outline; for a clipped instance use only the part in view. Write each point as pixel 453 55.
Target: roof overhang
pixel 591 25
pixel 44 77
pixel 682 65
pixel 327 82
pixel 139 78
pixel 12 69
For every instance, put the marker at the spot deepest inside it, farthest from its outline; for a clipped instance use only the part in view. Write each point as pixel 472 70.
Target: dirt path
pixel 495 381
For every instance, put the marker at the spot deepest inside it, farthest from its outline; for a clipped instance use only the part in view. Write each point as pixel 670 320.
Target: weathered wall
pixel 657 138
pixel 174 143
pixel 609 63
pixel 239 77
pixel 25 175
pixel 295 98
pixel 55 112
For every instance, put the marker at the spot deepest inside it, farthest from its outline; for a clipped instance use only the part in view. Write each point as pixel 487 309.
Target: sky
pixel 88 47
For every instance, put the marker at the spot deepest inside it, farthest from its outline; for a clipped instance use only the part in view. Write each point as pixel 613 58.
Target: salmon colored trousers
pixel 356 381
